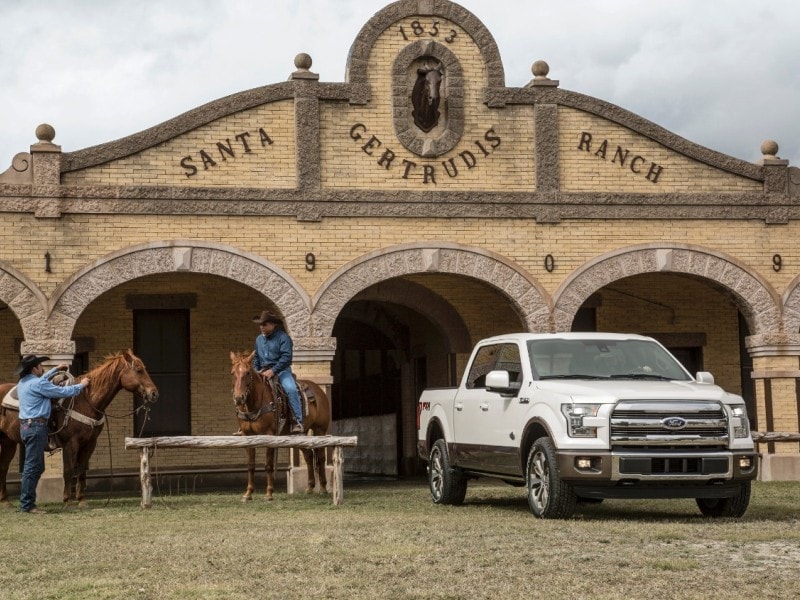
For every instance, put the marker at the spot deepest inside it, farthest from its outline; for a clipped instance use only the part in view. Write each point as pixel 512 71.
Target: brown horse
pixel 85 417
pixel 255 409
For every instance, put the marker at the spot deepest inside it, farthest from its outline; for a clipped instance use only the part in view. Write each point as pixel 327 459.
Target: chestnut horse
pixel 255 409
pixel 85 417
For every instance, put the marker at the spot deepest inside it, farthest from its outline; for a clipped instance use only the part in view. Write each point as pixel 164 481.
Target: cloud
pixel 720 74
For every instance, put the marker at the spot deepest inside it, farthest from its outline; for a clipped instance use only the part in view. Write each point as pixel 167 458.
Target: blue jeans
pixel 34 436
pixel 290 387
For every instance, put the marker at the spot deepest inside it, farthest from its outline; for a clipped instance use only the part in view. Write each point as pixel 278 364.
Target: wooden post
pixel 144 478
pixel 338 475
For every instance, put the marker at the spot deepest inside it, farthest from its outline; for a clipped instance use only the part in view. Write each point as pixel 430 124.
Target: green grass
pixel 390 541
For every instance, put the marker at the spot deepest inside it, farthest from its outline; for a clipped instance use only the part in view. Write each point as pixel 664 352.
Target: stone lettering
pixel 226 149
pixel 359 132
pixel 620 157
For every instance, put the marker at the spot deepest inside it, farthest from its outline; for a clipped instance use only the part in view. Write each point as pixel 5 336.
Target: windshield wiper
pixel 573 376
pixel 641 376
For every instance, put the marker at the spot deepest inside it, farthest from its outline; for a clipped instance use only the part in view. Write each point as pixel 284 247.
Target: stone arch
pixel 24 299
pixel 358 58
pixel 427 303
pixel 791 307
pixel 528 298
pixel 179 256
pixel 756 298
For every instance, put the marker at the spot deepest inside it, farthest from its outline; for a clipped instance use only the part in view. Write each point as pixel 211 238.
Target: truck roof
pixel 568 335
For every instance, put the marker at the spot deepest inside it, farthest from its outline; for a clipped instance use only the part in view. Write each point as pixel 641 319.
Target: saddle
pixel 282 409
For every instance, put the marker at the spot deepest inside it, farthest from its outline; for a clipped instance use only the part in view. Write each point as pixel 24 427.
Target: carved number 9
pixel 777 262
pixel 311 261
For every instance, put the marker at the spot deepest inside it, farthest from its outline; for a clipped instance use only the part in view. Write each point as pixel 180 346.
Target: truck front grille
pixel 636 423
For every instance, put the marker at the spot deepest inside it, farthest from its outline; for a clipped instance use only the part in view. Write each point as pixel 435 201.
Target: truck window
pixel 502 357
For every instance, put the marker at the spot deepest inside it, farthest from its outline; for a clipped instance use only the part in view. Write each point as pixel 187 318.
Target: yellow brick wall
pixel 76 240
pixel 585 171
pixel 265 166
pixel 510 167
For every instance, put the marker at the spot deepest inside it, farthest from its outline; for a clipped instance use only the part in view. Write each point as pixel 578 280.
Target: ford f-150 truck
pixel 587 416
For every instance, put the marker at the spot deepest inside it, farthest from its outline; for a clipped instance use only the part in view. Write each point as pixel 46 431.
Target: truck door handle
pixel 485 406
pixel 459 406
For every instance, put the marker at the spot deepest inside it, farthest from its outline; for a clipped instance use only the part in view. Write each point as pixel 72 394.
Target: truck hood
pixel 612 390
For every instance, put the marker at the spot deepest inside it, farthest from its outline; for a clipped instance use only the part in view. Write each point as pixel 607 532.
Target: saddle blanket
pixel 11 400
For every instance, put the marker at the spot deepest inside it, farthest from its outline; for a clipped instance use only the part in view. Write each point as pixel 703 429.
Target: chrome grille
pixel 673 423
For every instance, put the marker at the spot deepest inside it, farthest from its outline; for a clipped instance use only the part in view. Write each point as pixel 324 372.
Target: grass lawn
pixel 390 541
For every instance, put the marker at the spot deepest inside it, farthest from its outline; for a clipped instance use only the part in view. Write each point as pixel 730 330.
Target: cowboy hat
pixel 28 362
pixel 267 317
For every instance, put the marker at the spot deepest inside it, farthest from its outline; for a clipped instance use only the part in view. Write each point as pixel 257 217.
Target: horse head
pixel 242 375
pixel 134 378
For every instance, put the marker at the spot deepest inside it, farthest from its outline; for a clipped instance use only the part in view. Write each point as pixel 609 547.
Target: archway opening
pixel 698 320
pixel 393 340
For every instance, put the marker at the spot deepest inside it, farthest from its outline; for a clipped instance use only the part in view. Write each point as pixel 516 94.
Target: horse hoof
pixel 268 498
pixel 246 499
pixel 83 505
pixel 309 490
pixel 323 491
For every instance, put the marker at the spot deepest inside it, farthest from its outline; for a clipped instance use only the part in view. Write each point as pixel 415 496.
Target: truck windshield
pixel 601 359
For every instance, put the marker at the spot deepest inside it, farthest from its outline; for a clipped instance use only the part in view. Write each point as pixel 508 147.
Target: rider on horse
pixel 273 358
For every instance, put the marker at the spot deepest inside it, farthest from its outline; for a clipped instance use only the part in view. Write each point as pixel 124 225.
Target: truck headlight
pixel 575 413
pixel 740 422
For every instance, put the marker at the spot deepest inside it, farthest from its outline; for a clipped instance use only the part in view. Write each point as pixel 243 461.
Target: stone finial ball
pixel 540 68
pixel 769 148
pixel 45 133
pixel 302 61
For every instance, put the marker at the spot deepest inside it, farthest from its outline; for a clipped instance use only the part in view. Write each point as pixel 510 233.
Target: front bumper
pixel 654 469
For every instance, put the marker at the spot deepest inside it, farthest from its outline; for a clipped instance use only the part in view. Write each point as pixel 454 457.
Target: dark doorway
pixel 161 340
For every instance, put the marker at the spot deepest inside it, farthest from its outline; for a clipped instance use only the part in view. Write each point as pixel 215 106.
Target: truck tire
pixel 734 506
pixel 448 485
pixel 548 496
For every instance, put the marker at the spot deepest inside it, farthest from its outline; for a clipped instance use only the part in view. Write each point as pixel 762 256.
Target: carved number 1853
pixel 418 30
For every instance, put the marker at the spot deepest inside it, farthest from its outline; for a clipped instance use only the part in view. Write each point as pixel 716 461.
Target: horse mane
pixel 103 375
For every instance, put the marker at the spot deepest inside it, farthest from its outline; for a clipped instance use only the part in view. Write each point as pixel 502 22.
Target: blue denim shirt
pixel 35 394
pixel 273 352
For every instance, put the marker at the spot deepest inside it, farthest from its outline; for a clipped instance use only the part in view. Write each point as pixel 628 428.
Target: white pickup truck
pixel 586 416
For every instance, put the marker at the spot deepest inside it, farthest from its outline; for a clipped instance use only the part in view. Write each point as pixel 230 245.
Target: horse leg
pixel 269 467
pixel 319 461
pixel 308 456
pixel 8 449
pixel 69 452
pixel 81 467
pixel 251 474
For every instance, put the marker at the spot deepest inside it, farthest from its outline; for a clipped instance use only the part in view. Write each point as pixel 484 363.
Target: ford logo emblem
pixel 674 422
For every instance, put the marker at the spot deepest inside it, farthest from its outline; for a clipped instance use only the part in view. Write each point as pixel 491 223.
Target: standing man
pixel 274 359
pixel 35 393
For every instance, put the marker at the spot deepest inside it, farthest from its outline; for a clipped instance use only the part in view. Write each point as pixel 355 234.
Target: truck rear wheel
pixel 548 496
pixel 734 506
pixel 448 485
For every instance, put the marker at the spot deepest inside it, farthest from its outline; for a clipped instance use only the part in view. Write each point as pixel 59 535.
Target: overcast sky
pixel 724 74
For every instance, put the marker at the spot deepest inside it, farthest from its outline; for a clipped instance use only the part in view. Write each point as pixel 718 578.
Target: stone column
pixel 776 374
pixel 312 361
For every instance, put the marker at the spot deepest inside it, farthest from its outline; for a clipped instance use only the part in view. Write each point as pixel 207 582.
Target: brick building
pixel 393 220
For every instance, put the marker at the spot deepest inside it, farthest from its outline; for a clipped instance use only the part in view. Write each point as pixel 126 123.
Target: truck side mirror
pixel 704 377
pixel 500 382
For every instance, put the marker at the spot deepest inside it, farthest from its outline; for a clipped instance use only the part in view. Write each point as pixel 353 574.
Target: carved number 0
pixel 549 263
pixel 311 261
pixel 777 262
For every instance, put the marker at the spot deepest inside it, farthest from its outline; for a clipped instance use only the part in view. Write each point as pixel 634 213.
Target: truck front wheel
pixel 735 506
pixel 548 496
pixel 448 485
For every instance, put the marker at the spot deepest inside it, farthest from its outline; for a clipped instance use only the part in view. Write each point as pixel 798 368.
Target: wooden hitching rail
pixel 147 445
